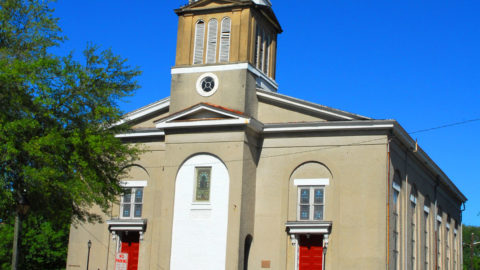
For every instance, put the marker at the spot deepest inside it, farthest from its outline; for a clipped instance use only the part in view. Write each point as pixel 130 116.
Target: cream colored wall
pixel 355 199
pixel 269 113
pixel 103 250
pixel 149 121
pixel 236 91
pixel 80 234
pixel 412 172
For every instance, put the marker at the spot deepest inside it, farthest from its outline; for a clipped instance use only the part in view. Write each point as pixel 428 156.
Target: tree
pixel 45 243
pixel 58 151
pixel 467 250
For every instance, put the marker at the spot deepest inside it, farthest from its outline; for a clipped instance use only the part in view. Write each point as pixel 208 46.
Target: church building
pixel 238 176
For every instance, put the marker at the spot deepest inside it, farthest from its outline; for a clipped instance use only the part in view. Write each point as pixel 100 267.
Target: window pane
pixel 319 195
pixel 203 184
pixel 395 196
pixel 138 195
pixel 127 197
pixel 126 210
pixel 305 212
pixel 304 196
pixel 318 212
pixel 138 210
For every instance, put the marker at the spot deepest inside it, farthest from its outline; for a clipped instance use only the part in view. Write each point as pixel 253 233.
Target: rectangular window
pixel 414 236
pixel 455 249
pixel 310 203
pixel 439 244
pixel 447 248
pixel 202 184
pixel 131 203
pixel 426 240
pixel 396 227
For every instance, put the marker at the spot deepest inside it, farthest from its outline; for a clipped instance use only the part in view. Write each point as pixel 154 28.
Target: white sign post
pixel 121 261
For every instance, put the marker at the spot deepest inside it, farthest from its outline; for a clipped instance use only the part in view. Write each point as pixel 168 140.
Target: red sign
pixel 121 261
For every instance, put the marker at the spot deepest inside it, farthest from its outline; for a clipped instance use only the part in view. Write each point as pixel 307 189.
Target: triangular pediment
pixel 203 114
pixel 202 4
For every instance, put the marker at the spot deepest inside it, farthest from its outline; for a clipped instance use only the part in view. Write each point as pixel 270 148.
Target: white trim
pixel 213 68
pixel 304 106
pixel 262 75
pixel 439 218
pixel 448 226
pixel 396 186
pixel 126 225
pixel 201 107
pixel 151 108
pixel 455 231
pixel 311 227
pixel 132 183
pixel 200 123
pixel 426 209
pixel 140 134
pixel 228 67
pixel 312 182
pixel 320 128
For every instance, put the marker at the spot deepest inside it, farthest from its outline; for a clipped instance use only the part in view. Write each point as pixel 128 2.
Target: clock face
pixel 207 84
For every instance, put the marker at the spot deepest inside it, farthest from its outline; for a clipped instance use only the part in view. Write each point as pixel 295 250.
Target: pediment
pixel 203 114
pixel 211 4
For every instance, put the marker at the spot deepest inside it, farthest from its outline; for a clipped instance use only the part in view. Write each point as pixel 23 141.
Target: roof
pixel 222 116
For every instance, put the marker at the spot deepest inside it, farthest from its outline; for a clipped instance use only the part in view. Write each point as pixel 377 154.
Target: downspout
pixel 405 215
pixel 388 203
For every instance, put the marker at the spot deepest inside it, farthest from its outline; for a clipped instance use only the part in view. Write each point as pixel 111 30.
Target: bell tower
pixel 226 49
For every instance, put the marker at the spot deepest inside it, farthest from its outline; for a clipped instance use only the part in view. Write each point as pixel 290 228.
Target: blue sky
pixel 414 61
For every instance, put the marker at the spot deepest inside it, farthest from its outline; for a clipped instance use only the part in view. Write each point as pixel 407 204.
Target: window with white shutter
pixel 199 43
pixel 225 40
pixel 212 41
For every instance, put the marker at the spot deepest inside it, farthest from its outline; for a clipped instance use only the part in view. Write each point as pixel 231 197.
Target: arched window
pixel 199 42
pixel 225 40
pixel 212 41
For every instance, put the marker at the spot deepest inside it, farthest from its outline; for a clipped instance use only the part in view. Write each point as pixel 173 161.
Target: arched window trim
pixel 225 37
pixel 199 43
pixel 212 34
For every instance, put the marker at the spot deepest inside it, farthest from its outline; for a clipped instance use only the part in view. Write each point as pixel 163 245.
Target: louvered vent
pixel 212 41
pixel 262 51
pixel 258 41
pixel 267 60
pixel 225 40
pixel 199 41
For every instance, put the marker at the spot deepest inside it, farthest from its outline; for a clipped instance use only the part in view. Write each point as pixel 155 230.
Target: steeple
pixel 220 36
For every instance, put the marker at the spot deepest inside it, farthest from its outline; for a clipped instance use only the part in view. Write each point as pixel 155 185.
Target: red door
pixel 311 252
pixel 130 244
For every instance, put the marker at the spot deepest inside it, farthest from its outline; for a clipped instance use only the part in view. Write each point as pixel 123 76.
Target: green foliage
pixel 44 243
pixel 467 240
pixel 57 117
